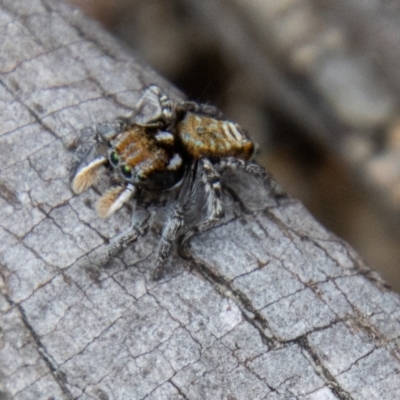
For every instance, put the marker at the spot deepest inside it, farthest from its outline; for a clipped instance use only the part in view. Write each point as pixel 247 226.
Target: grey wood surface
pixel 267 305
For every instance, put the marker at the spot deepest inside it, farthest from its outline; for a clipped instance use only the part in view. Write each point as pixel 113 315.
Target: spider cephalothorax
pixel 158 147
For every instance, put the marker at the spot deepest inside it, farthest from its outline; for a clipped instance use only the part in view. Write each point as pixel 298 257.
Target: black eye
pixel 141 177
pixel 114 158
pixel 126 171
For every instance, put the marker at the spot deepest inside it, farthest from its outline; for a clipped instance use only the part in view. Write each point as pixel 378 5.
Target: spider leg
pixel 121 241
pixel 88 155
pixel 113 199
pixel 171 229
pixel 153 110
pixel 249 167
pixel 169 234
pixel 198 108
pixel 254 169
pixel 210 179
pixel 87 176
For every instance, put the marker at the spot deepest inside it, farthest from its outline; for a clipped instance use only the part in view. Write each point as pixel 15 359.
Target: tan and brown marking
pixel 135 147
pixel 208 137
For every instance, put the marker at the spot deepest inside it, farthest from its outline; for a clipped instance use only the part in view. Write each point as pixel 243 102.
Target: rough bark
pixel 268 305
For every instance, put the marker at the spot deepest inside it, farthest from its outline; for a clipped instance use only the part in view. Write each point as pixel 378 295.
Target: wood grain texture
pixel 268 305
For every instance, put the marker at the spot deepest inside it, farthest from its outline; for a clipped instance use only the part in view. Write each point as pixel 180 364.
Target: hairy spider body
pixel 146 159
pixel 159 147
pixel 204 136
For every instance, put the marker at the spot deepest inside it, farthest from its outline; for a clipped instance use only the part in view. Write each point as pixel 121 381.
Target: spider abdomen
pixel 203 136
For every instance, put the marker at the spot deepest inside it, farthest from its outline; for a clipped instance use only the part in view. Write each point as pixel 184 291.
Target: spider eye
pixel 141 177
pixel 114 158
pixel 126 171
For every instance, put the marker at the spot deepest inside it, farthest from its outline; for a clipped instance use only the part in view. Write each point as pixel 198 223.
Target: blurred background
pixel 315 82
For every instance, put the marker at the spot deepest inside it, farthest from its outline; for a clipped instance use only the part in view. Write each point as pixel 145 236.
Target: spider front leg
pixel 210 179
pixel 89 157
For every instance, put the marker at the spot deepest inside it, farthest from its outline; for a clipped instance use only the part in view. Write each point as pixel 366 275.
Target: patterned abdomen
pixel 208 137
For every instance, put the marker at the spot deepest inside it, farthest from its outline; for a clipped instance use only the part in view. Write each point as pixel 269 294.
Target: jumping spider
pixel 161 147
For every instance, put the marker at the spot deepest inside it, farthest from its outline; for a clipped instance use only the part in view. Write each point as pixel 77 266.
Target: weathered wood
pixel 268 305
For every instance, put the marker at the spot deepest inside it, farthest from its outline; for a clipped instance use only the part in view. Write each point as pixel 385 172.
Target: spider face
pixel 143 160
pixel 161 146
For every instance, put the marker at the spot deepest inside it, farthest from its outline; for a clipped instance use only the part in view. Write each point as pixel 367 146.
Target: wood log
pixel 266 305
